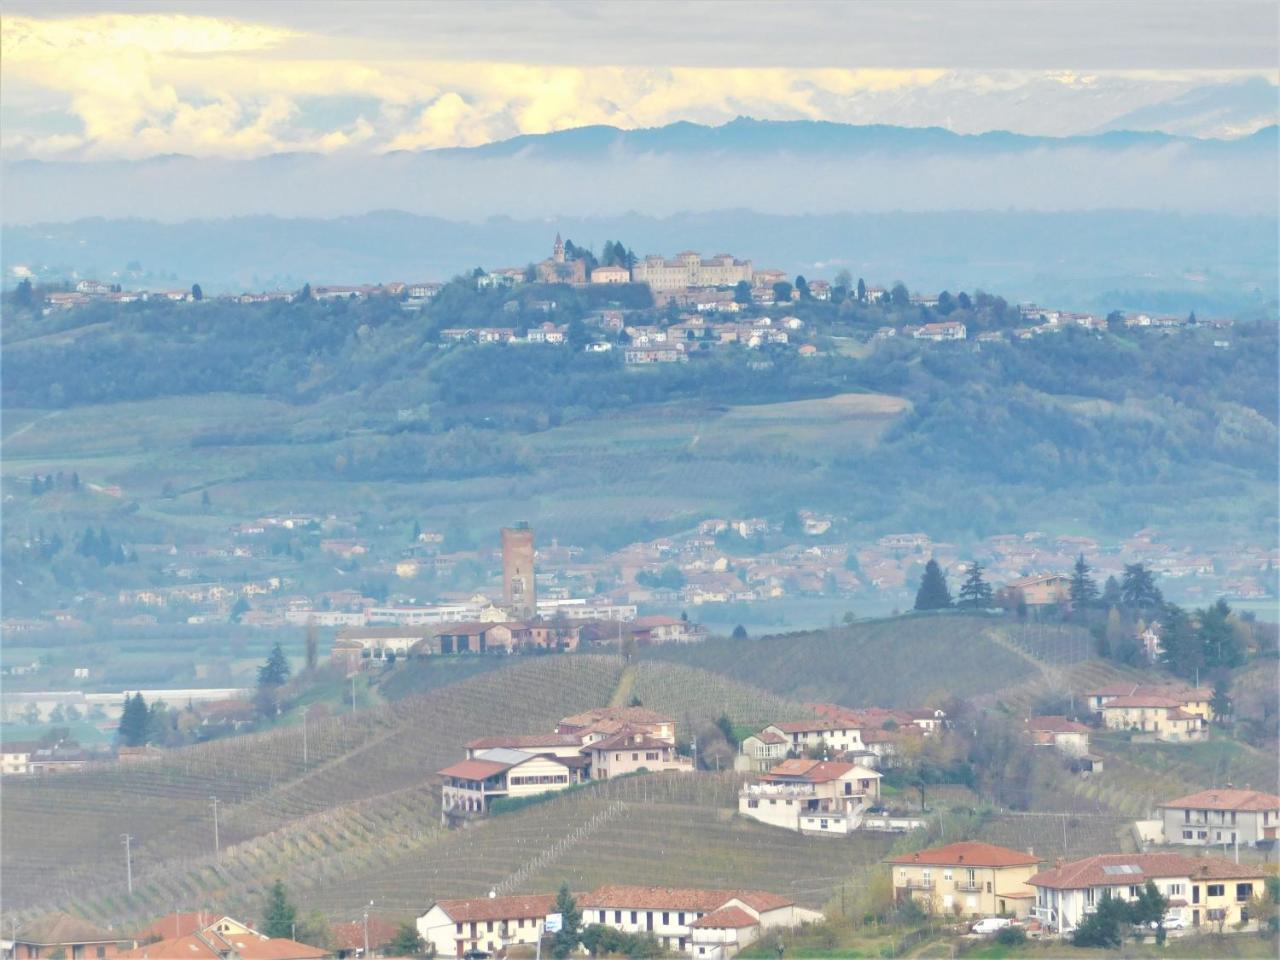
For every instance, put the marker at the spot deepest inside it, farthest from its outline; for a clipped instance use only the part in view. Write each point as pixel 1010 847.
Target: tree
pixel 862 291
pixel 1138 589
pixel 1084 589
pixel 304 294
pixel 933 593
pixel 566 939
pixel 802 287
pixel 275 671
pixel 1149 907
pixel 239 609
pixel 407 942
pixel 899 296
pixel 1221 702
pixel 196 293
pixel 844 280
pixel 742 292
pixel 1183 651
pixel 313 647
pixel 1111 592
pixel 782 292
pixel 23 296
pixel 134 721
pixel 975 593
pixel 1102 928
pixel 278 915
pixel 1217 636
pixel 739 633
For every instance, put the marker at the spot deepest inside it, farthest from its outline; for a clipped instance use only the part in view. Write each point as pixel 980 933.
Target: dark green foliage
pixel 669 577
pixel 134 721
pixel 1011 936
pixel 1183 651
pixel 603 941
pixel 1221 702
pixel 566 940
pixel 407 942
pixel 238 609
pixel 275 671
pixel 1084 589
pixel 1218 637
pixel 933 593
pixel 1138 590
pixel 1150 906
pixel 975 592
pixel 782 292
pixel 739 633
pixel 1105 926
pixel 278 914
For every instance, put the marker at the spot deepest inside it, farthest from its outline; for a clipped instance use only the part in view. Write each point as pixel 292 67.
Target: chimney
pixel 1031 851
pixel 1058 862
pixel 961 858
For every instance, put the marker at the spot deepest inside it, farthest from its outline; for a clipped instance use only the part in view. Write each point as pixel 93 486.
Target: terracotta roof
pixel 350 935
pixel 618 715
pixel 656 620
pixel 1111 869
pixel 805 726
pixel 523 741
pixel 475 769
pixel 1056 725
pixel 212 946
pixel 1143 700
pixel 629 739
pixel 498 908
pixel 615 896
pixel 768 736
pixel 970 854
pixel 726 918
pixel 814 771
pixel 61 928
pixel 174 925
pixel 1226 798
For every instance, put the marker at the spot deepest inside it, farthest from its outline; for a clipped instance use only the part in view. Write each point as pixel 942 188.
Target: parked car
pixel 476 954
pixel 1172 921
pixel 988 925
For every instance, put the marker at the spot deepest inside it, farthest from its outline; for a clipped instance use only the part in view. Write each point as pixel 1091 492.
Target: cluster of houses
pixel 1170 713
pixel 981 879
pixel 594 745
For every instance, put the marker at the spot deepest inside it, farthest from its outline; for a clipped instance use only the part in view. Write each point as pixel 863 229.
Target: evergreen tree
pixel 1221 702
pixel 1218 637
pixel 802 287
pixel 739 633
pixel 565 941
pixel 134 721
pixel 1084 589
pixel 23 296
pixel 196 293
pixel 1183 651
pixel 742 292
pixel 407 942
pixel 1111 592
pixel 975 593
pixel 1138 589
pixel 862 291
pixel 275 671
pixel 1105 926
pixel 312 647
pixel 933 593
pixel 278 915
pixel 239 609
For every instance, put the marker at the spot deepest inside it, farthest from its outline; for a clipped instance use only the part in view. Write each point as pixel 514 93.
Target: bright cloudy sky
pixel 232 78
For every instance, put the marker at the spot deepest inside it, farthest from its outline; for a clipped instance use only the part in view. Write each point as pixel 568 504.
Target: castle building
pixel 688 269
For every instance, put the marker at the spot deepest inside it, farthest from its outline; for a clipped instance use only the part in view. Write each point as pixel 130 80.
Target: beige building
pixel 454 927
pixel 1201 891
pixel 1041 590
pixel 632 751
pixel 1194 700
pixel 688 269
pixel 519 588
pixel 601 722
pixel 610 274
pixel 1220 816
pixel 1065 736
pixel 16 757
pixel 1162 717
pixel 761 751
pixel 976 879
pixel 830 736
pixel 811 796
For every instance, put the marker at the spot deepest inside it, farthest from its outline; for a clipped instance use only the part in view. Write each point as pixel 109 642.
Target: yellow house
pixel 972 879
pixel 1157 714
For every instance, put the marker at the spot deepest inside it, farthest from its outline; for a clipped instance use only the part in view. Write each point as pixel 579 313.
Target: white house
pixel 811 796
pixel 452 927
pixel 1221 815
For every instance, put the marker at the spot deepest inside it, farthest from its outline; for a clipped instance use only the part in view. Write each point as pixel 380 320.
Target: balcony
pixel 779 790
pixel 969 886
pixel 918 884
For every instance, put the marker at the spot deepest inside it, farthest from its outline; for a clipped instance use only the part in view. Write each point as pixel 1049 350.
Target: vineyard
pixel 62 836
pixel 691 694
pixel 902 662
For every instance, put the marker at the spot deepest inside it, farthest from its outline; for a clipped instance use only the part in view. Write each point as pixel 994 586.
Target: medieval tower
pixel 519 591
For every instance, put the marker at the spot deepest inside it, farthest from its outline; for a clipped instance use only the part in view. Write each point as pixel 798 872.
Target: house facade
pixel 453 927
pixel 1160 716
pixel 976 879
pixel 811 796
pixel 1201 891
pixel 470 786
pixel 632 751
pixel 1064 735
pixel 1221 816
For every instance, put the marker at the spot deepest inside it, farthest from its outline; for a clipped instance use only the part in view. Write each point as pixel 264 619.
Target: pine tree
pixel 313 647
pixel 1084 589
pixel 275 671
pixel 975 593
pixel 1183 652
pixel 134 721
pixel 279 915
pixel 565 941
pixel 1218 638
pixel 1221 702
pixel 933 593
pixel 1139 587
pixel 1111 592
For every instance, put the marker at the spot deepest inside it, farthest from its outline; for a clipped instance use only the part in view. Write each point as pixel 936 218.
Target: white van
pixel 989 925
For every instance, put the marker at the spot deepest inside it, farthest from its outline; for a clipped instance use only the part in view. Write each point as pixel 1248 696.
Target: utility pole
pixel 366 930
pixel 304 738
pixel 353 693
pixel 217 845
pixel 128 859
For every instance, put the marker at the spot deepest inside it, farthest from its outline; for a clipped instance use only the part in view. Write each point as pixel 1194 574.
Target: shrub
pixel 1011 936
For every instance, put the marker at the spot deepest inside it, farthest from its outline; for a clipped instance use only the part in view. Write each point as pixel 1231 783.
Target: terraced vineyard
pixel 63 835
pixel 697 694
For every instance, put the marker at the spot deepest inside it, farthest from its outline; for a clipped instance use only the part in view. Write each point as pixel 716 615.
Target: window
pixel 1216 889
pixel 753 804
pixel 666 919
pixel 459 926
pixel 633 916
pixel 1217 914
pixel 946 874
pixel 1175 890
pixel 1243 892
pixel 1188 835
pixel 617 916
pixel 1202 834
pixel 489 927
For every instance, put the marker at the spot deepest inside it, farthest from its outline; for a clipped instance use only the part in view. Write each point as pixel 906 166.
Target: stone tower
pixel 519 591
pixel 557 251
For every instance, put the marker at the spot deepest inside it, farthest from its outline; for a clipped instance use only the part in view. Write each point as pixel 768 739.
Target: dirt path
pixel 626 683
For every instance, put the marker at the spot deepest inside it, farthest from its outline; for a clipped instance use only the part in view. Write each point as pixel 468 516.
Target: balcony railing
pixel 969 886
pixel 778 790
pixel 917 885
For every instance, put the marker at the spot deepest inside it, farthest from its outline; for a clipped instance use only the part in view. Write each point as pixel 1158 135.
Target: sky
pixel 234 79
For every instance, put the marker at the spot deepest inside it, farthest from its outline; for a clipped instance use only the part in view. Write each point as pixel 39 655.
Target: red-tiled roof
pixel 1226 798
pixel 629 739
pixel 523 741
pixel 350 935
pixel 61 928
pixel 813 771
pixel 807 726
pixel 1056 725
pixel 1143 700
pixel 1112 869
pixel 498 908
pixel 615 714
pixel 969 854
pixel 726 918
pixel 174 925
pixel 475 769
pixel 212 946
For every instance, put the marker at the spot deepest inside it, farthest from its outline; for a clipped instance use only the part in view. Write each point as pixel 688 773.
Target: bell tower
pixel 557 252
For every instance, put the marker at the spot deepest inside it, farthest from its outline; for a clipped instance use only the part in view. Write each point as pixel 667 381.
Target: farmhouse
pixel 701 923
pixel 837 736
pixel 1210 890
pixel 760 751
pixel 1193 700
pixel 631 751
pixel 1062 734
pixel 1221 815
pixel 976 879
pixel 208 944
pixel 946 330
pixel 66 936
pixel 601 722
pixel 660 629
pixel 811 796
pixel 469 786
pixel 1150 713
pixel 1041 590
pixel 453 927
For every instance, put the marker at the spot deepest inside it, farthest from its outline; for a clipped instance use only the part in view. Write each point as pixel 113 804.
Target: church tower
pixel 557 252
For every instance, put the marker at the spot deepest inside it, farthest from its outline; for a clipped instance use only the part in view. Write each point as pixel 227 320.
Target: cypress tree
pixel 975 593
pixel 933 593
pixel 279 915
pixel 134 721
pixel 1084 589
pixel 275 671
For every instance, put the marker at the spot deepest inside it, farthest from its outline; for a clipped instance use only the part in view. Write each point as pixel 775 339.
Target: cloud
pixel 142 84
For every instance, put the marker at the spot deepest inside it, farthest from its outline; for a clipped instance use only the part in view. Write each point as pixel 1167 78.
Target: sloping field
pixel 691 693
pixel 900 662
pixel 65 834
